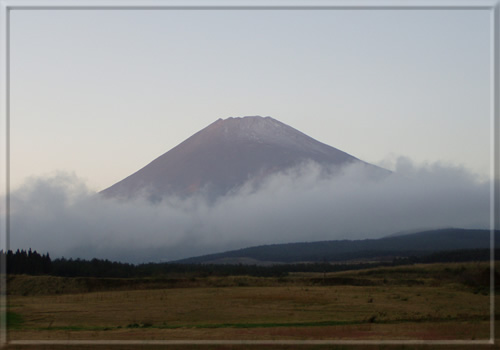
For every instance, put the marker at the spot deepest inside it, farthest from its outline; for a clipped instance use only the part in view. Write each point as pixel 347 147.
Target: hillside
pixel 343 250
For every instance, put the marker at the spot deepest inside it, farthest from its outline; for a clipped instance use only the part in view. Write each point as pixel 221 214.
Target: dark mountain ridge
pixel 343 250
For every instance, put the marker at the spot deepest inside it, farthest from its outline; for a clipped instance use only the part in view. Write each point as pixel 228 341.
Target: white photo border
pixel 7 6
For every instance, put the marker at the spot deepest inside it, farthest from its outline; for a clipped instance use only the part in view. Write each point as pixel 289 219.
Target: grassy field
pixel 420 302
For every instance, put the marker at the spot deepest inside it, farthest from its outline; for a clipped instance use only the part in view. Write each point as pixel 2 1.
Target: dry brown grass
pixel 198 306
pixel 427 310
pixel 403 331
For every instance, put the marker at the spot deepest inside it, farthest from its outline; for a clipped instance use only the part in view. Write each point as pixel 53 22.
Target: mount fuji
pixel 227 154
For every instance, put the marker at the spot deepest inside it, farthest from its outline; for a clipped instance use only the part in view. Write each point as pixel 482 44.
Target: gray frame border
pixel 6 6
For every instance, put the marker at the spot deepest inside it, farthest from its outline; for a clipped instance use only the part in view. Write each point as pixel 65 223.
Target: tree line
pixel 26 262
pixel 32 263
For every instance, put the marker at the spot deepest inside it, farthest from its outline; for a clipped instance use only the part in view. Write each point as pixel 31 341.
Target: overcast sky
pixel 102 93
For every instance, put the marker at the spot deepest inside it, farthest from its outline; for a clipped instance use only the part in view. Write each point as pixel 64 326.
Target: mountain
pixel 391 246
pixel 225 155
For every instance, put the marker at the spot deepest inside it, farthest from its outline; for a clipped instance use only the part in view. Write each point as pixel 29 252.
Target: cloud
pixel 62 216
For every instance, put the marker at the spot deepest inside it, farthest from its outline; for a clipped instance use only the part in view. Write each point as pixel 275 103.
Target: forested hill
pixel 393 246
pixel 31 263
pixel 451 245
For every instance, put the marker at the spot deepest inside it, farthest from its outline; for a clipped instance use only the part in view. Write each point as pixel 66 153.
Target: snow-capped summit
pixel 225 155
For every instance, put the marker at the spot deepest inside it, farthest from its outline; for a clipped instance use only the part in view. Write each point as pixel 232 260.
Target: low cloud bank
pixel 62 216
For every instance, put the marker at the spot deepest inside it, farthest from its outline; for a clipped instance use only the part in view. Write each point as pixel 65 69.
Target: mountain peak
pixel 247 121
pixel 225 155
pixel 265 130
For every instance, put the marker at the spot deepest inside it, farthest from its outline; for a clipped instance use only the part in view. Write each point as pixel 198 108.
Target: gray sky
pixel 102 93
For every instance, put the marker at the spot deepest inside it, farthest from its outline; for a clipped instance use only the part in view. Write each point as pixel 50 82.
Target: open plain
pixel 407 304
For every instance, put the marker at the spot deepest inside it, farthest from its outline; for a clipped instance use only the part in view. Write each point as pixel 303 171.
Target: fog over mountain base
pixel 62 216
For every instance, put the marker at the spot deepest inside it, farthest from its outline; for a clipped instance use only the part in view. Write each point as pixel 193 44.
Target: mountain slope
pixel 225 155
pixel 404 245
